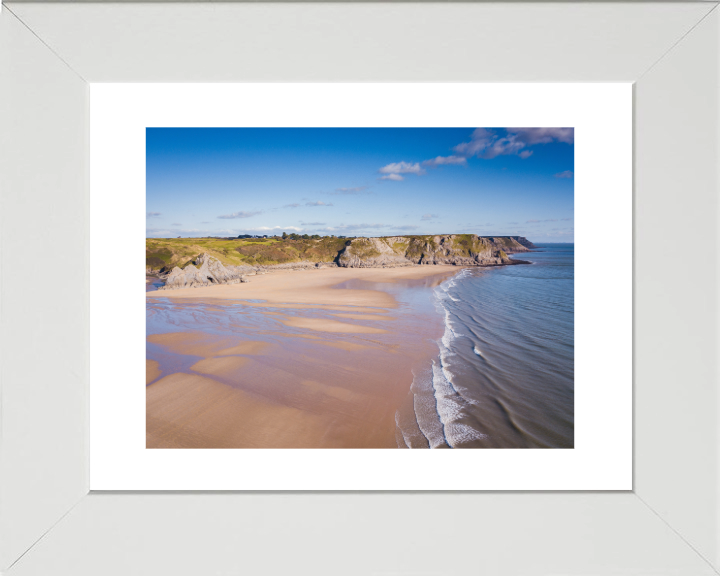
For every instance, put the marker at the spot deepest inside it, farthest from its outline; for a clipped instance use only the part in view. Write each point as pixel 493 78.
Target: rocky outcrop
pixel 206 270
pixel 457 249
pixel 523 241
pixel 375 253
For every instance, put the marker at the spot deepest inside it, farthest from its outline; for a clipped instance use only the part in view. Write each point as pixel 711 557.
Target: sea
pixel 503 374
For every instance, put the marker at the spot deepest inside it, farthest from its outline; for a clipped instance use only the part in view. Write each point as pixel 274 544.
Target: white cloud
pixel 235 215
pixel 532 136
pixel 318 203
pixel 153 214
pixel 429 216
pixel 402 168
pixel 393 171
pixel 565 174
pixel 444 160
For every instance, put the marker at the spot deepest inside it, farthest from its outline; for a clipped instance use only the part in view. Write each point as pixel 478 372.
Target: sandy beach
pixel 292 359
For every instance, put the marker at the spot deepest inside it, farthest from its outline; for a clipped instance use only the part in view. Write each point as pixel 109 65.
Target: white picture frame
pixel 49 523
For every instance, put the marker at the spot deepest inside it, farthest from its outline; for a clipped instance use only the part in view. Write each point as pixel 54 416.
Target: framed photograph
pixel 396 341
pixel 350 248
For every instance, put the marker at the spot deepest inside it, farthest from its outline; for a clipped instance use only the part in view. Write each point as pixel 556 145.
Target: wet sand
pixel 313 286
pixel 152 371
pixel 301 365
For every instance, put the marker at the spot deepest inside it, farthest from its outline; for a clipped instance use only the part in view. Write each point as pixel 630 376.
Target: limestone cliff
pixel 457 249
pixel 204 271
pixel 523 241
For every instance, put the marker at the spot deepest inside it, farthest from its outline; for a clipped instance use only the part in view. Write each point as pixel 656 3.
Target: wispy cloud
pixel 266 229
pixel 236 215
pixel 313 224
pixel 346 228
pixel 532 136
pixel 565 174
pixel 490 143
pixel 176 224
pixel 395 177
pixel 198 232
pixel 153 214
pixel 536 221
pixel 565 219
pixel 445 160
pixel 350 191
pixel 428 216
pixel 318 203
pixel 355 228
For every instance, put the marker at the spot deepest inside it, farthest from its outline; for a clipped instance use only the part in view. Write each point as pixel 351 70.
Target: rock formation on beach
pixel 457 249
pixel 206 270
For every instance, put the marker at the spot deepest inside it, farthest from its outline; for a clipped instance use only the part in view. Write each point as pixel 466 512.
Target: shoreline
pixel 328 362
pixel 294 286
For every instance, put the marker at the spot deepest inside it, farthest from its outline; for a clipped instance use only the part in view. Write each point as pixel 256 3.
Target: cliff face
pixel 523 241
pixel 458 249
pixel 205 271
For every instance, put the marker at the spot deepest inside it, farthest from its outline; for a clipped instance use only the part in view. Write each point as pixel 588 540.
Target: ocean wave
pixel 442 413
pixel 425 407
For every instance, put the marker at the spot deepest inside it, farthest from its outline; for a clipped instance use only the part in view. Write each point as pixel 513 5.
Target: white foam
pixel 426 414
pixel 439 407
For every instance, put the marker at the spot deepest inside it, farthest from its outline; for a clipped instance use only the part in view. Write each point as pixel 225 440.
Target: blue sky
pixel 361 181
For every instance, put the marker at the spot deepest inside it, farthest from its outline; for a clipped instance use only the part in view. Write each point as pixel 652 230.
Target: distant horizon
pixel 360 182
pixel 351 237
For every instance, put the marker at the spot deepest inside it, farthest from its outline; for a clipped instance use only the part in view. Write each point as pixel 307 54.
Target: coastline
pixel 311 358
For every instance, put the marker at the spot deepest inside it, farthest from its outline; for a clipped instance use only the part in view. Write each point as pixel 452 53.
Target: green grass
pixel 170 252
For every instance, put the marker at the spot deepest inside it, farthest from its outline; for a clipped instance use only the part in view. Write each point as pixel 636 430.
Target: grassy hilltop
pixel 170 252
